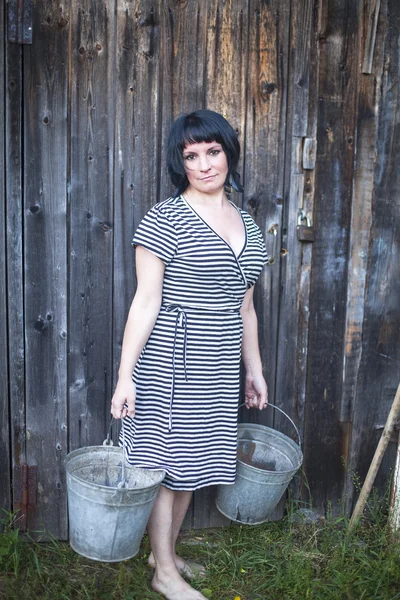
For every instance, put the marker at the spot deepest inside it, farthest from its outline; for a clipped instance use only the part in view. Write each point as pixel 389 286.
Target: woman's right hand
pixel 125 393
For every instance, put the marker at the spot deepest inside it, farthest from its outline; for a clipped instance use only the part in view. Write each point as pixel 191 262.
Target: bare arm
pixel 141 319
pixel 256 393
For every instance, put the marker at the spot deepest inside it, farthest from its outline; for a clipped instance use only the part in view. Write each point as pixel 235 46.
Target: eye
pixel 189 157
pixel 215 152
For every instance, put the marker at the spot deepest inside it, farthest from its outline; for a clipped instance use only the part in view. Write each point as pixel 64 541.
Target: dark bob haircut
pixel 196 127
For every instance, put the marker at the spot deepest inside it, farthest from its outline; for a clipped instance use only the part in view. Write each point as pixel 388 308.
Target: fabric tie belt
pixel 181 322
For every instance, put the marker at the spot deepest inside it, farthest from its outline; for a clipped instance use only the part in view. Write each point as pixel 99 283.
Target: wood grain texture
pixel 5 433
pixel 264 157
pixel 380 353
pixel 368 105
pixel 15 263
pixel 302 20
pixel 337 92
pixel 295 271
pixel 92 68
pixel 45 261
pixel 372 23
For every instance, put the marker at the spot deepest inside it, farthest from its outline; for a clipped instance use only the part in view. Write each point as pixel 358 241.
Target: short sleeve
pixel 157 234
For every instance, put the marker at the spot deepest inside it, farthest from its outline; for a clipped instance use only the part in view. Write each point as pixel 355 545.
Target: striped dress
pixel 187 377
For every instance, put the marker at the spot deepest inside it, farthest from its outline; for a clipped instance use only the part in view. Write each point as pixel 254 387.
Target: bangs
pixel 196 130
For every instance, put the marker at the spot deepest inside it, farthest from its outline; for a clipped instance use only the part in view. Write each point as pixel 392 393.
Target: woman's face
pixel 206 166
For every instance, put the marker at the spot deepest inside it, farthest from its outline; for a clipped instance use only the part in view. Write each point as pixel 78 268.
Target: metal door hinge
pixel 25 492
pixel 19 21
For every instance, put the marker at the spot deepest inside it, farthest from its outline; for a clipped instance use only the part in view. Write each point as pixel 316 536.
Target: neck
pixel 216 200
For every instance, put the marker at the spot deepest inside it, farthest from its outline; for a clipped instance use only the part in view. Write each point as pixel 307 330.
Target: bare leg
pixel 180 506
pixel 167 579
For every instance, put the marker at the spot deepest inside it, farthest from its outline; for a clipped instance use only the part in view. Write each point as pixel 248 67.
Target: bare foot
pixel 173 587
pixel 189 568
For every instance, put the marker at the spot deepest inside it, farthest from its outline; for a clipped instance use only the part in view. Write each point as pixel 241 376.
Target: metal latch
pixel 305 233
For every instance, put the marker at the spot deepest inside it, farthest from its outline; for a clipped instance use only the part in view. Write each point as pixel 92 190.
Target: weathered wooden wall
pixel 88 106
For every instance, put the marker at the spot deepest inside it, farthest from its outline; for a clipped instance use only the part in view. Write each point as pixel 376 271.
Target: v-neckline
pixel 217 234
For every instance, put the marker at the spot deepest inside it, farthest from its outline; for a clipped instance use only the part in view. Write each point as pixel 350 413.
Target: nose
pixel 204 163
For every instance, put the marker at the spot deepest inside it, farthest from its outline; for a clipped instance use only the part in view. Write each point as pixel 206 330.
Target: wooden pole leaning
pixel 376 461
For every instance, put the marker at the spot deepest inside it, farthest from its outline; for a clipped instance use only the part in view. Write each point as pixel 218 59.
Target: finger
pixel 263 401
pixel 130 407
pixel 117 409
pixel 115 413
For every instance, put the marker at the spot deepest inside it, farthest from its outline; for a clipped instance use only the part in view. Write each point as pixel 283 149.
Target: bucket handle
pixel 108 442
pixel 283 412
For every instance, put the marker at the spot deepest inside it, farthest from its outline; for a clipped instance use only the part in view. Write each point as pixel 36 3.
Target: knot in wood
pixel 267 89
pixel 105 226
pixel 40 325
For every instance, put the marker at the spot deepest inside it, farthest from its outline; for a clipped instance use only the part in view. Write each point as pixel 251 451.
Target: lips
pixel 208 178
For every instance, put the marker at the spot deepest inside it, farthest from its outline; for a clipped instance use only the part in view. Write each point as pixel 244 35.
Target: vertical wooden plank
pixel 5 437
pixel 182 69
pixel 15 268
pixel 225 81
pixel 337 92
pixel 360 234
pixel 295 266
pixel 379 355
pixel 92 49
pixel 361 221
pixel 267 79
pixel 45 256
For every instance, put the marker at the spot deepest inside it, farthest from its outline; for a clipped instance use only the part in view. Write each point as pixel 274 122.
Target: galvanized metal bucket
pixel 267 460
pixel 109 502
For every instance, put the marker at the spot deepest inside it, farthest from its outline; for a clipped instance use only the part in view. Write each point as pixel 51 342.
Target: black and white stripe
pixel 196 441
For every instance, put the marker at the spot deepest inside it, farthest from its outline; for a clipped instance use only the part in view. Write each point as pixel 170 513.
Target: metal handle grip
pixel 274 231
pixel 108 442
pixel 283 412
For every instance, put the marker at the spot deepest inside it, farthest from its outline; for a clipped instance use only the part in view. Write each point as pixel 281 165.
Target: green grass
pixel 274 561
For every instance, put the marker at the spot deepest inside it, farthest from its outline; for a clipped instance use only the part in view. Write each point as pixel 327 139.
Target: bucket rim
pixel 110 489
pixel 296 448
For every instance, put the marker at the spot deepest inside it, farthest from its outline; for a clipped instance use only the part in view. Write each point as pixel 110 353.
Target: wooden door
pixel 89 105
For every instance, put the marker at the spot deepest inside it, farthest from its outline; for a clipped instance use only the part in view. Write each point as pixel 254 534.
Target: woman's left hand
pixel 256 392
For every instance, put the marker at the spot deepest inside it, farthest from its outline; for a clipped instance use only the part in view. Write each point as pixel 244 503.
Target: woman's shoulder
pixel 170 203
pixel 248 219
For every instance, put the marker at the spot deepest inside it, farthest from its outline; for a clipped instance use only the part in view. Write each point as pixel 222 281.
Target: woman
pixel 191 320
